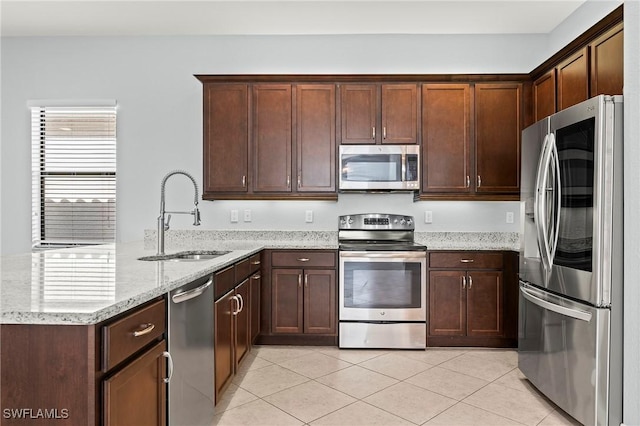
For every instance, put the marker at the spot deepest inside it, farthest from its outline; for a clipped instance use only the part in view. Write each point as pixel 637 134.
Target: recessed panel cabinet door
pixel 272 138
pixel 320 301
pixel 358 111
pixel 226 148
pixel 484 303
pixel 446 145
pixel 316 137
pixel 136 395
pixel 573 79
pixel 224 341
pixel 498 127
pixel 447 303
pixel 400 113
pixel 286 302
pixel 544 95
pixel 243 325
pixel 607 63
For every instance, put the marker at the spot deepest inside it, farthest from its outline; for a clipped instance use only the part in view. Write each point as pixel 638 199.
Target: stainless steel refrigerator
pixel 570 319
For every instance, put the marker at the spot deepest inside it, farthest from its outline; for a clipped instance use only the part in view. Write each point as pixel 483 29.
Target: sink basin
pixel 187 256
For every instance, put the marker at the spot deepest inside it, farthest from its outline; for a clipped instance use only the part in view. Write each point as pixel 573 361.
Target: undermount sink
pixel 186 256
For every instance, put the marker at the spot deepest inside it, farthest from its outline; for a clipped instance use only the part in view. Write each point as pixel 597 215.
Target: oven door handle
pixel 386 254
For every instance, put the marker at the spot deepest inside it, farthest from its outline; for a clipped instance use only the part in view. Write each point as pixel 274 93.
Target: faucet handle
pixel 166 225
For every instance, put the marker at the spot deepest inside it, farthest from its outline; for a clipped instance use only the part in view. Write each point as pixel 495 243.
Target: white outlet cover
pixel 234 216
pixel 428 216
pixel 509 217
pixel 247 215
pixel 308 216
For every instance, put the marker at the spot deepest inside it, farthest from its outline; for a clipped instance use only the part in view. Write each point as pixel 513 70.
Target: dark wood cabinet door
pixel 544 95
pixel 358 113
pixel 224 341
pixel 573 79
pixel 446 150
pixel 136 395
pixel 226 137
pixel 316 137
pixel 271 138
pixel 607 63
pixel 498 125
pixel 255 284
pixel 485 303
pixel 320 301
pixel 286 302
pixel 242 322
pixel 447 303
pixel 400 113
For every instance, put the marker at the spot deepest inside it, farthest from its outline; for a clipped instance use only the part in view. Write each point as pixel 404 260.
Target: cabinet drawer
pixel 243 269
pixel 255 262
pixel 223 281
pixel 129 334
pixel 465 260
pixel 301 259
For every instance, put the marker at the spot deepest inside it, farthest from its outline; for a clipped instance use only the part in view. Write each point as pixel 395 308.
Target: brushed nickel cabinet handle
pixel 468 181
pixel 384 132
pixel 373 133
pixel 306 280
pixel 479 181
pixel 299 280
pixel 256 277
pixel 241 299
pixel 470 282
pixel 466 260
pixel 299 181
pixel 303 259
pixel 288 181
pixel 464 282
pixel 255 262
pixel 235 312
pixel 244 181
pixel 148 328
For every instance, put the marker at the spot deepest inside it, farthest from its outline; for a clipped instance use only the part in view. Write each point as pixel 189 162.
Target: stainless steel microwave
pixel 379 167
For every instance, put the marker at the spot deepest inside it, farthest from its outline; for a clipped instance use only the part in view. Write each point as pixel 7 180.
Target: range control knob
pixel 409 221
pixel 342 221
pixel 402 221
pixel 350 220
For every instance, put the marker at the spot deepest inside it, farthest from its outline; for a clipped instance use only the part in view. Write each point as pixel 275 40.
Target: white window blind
pixel 74 175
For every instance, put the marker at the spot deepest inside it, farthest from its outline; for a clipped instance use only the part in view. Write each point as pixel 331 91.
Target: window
pixel 73 175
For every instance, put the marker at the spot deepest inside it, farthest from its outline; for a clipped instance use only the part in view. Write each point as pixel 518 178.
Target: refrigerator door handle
pixel 562 310
pixel 541 218
pixel 557 192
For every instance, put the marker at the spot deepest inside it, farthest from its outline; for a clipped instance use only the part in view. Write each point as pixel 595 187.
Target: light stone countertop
pixel 87 285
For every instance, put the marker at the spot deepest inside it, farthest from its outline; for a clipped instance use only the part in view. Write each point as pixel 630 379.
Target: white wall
pixel 160 114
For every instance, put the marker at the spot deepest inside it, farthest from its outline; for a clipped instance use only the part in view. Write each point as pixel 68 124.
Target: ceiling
pixel 288 17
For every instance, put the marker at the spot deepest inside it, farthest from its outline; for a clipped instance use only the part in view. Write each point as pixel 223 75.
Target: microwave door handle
pixel 404 166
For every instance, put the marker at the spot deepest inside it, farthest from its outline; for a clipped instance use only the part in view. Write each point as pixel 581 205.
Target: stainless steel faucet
pixel 162 225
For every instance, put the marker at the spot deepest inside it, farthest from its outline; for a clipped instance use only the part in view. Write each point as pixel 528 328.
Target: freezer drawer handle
pixel 573 313
pixel 190 294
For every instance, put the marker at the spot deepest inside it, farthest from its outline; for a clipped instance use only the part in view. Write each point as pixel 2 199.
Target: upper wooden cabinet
pixel 446 147
pixel 498 124
pixel 269 141
pixel 226 138
pixel 379 113
pixel 573 79
pixel 607 63
pixel 271 135
pixel 544 95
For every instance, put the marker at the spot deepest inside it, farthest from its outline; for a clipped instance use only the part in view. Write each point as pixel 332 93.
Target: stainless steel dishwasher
pixel 191 392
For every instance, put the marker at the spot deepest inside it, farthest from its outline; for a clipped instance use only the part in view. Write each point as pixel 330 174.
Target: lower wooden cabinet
pixel 469 302
pixel 136 395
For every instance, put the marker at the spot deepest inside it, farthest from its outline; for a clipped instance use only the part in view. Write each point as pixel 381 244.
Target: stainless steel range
pixel 382 299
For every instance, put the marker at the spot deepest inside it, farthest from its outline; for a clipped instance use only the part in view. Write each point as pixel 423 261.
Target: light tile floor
pixel 304 385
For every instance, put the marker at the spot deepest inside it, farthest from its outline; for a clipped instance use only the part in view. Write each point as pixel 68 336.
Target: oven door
pixel 383 286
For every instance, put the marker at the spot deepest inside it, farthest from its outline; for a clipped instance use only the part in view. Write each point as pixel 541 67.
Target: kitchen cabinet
pixel 271 135
pixel 226 136
pixel 498 124
pixel 606 72
pixel 88 374
pixel 544 95
pixel 303 292
pixel 235 291
pixel 469 303
pixel 379 113
pixel 446 139
pixel 573 79
pixel 471 140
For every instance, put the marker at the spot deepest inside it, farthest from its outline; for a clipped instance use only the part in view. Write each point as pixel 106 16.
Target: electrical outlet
pixel 308 216
pixel 234 216
pixel 247 215
pixel 509 217
pixel 428 216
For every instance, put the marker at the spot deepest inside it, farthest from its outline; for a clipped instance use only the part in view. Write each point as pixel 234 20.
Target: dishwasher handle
pixel 190 294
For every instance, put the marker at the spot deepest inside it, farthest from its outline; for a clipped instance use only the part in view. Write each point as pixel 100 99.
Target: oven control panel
pixel 376 221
